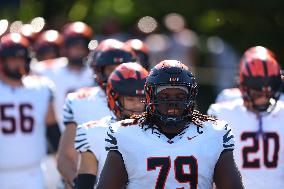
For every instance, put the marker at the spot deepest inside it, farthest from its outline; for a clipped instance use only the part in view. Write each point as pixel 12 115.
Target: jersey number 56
pixel 9 121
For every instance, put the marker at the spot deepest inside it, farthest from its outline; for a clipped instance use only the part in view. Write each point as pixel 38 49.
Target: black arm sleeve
pixel 86 181
pixel 53 135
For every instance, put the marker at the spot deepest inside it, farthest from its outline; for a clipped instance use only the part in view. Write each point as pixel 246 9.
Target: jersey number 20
pixel 165 164
pixel 273 149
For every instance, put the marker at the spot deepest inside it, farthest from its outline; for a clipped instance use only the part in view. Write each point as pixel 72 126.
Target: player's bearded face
pixel 132 105
pixel 76 53
pixel 14 67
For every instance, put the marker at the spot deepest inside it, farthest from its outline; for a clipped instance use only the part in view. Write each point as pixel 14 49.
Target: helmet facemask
pixel 251 95
pixel 173 111
pixel 124 109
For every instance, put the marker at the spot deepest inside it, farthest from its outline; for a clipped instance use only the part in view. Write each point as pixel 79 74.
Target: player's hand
pixel 71 184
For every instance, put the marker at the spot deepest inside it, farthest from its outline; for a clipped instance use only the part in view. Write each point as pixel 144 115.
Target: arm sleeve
pixel 53 135
pixel 68 115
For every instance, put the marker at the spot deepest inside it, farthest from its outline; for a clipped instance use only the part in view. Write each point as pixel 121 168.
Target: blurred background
pixel 209 36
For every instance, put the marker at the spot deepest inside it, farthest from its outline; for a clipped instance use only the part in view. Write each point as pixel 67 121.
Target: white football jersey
pixel 22 122
pixel 85 105
pixel 232 94
pixel 65 79
pixel 90 136
pixel 154 161
pixel 259 157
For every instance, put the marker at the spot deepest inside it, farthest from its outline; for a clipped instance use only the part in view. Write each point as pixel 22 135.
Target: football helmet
pixel 170 74
pixel 102 46
pixel 14 45
pixel 260 75
pixel 107 54
pixel 141 50
pixel 127 79
pixel 27 32
pixel 77 32
pixel 49 41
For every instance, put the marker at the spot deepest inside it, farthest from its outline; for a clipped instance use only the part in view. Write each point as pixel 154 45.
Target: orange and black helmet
pixel 104 45
pixel 107 54
pixel 128 79
pixel 141 50
pixel 48 41
pixel 170 74
pixel 77 32
pixel 260 71
pixel 15 45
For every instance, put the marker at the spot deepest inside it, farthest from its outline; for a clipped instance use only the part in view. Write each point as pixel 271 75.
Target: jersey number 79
pixel 165 165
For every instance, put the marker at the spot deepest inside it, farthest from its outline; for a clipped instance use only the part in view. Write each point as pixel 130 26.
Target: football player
pixel 141 50
pixel 47 45
pixel 125 92
pixel 171 145
pixel 108 55
pixel 256 120
pixel 26 117
pixel 70 73
pixel 235 93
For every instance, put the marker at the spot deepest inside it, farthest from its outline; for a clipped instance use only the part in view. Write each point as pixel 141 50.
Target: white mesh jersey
pixel 22 122
pixel 259 157
pixel 90 136
pixel 154 161
pixel 65 79
pixel 232 94
pixel 85 105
